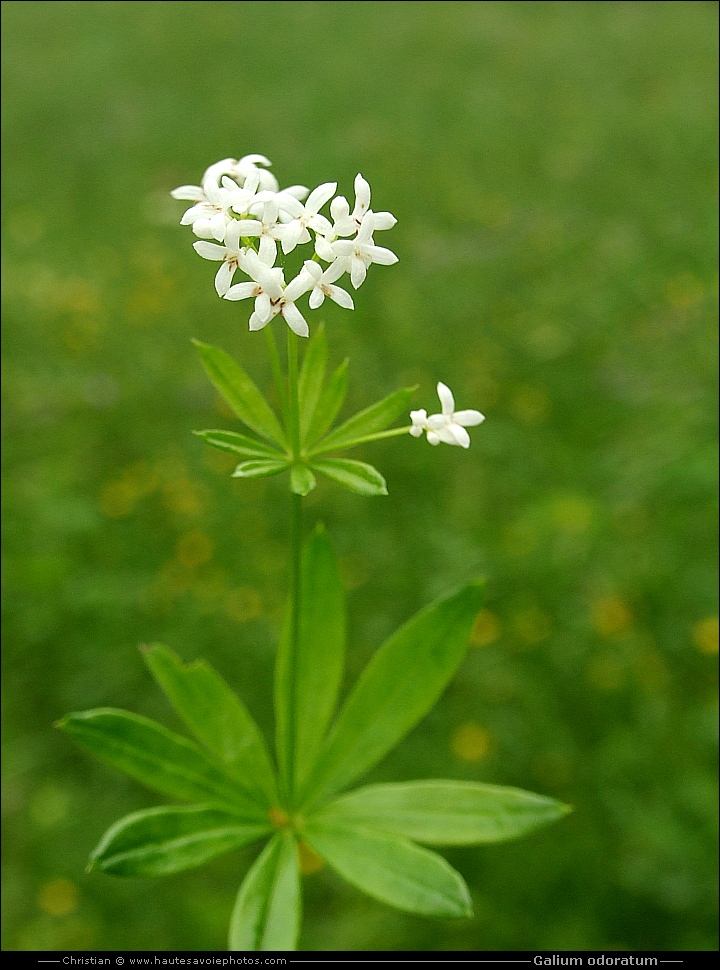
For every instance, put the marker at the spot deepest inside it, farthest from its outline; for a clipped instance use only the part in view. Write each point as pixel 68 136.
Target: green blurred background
pixel 552 168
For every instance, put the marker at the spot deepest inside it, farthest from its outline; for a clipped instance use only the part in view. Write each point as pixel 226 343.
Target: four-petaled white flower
pixel 346 223
pixel 360 252
pixel 209 216
pixel 305 216
pixel 449 426
pixel 265 228
pixel 231 255
pixel 272 297
pixel 322 284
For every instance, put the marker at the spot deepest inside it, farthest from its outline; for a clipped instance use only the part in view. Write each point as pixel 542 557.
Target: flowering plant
pixel 239 793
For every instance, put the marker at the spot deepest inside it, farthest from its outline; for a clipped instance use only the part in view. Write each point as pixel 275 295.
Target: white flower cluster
pixel 241 206
pixel 449 426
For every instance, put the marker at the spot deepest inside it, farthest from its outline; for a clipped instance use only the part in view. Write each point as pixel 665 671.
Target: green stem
pixel 295 553
pixel 276 369
pixel 392 433
pixel 293 402
pixel 295 579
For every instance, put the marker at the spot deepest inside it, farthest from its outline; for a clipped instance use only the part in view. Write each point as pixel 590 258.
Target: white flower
pixel 357 254
pixel 321 283
pixel 266 228
pixel 231 255
pixel 419 423
pixel 450 425
pixel 243 169
pixel 347 224
pixel 305 216
pixel 272 297
pixel 209 216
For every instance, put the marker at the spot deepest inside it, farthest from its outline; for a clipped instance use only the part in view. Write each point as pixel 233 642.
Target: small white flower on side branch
pixel 449 426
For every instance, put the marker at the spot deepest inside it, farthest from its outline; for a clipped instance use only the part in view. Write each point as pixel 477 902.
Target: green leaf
pixel 161 841
pixel 373 419
pixel 218 719
pixel 444 812
pixel 238 444
pixel 267 910
pixel 302 480
pixel 158 758
pixel 260 469
pixel 392 870
pixel 356 475
pixel 319 660
pixel 312 375
pixel 240 393
pixel 399 686
pixel 330 402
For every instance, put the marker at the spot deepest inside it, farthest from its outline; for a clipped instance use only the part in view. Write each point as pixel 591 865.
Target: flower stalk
pixel 374 836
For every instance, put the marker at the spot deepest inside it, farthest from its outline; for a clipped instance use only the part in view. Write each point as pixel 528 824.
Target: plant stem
pixel 276 369
pixel 293 402
pixel 392 433
pixel 295 554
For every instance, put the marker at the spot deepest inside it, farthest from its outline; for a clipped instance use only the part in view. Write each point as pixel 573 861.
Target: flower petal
pixel 317 298
pixel 241 291
pixel 298 192
pixel 313 270
pixel 384 220
pixel 460 435
pixel 378 254
pixel 209 250
pixel 295 320
pixel 340 296
pixel 192 193
pixel 267 250
pixel 468 418
pixel 358 272
pixel 334 271
pixel 290 235
pixel 446 398
pixel 297 286
pixel 223 278
pixel 324 249
pixel 319 196
pixel 249 227
pixel 362 196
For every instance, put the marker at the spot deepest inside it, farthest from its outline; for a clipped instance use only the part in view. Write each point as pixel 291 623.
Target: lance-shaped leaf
pixel 240 393
pixel 306 691
pixel 238 444
pixel 373 419
pixel 168 839
pixel 399 686
pixel 158 758
pixel 312 375
pixel 330 402
pixel 444 812
pixel 260 468
pixel 392 870
pixel 268 907
pixel 218 719
pixel 357 476
pixel 302 480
